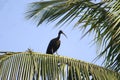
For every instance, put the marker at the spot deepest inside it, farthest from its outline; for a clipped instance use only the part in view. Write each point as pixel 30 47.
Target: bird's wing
pixel 57 45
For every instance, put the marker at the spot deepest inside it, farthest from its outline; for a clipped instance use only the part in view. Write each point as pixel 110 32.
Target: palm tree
pixel 35 66
pixel 102 18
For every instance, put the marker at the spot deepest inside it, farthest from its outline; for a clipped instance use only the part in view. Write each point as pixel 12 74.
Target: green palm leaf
pixel 103 18
pixel 34 66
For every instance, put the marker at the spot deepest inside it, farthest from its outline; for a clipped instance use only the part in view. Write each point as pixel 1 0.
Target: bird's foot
pixel 57 54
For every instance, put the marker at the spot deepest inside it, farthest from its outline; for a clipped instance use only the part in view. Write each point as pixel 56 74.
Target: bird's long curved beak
pixel 65 35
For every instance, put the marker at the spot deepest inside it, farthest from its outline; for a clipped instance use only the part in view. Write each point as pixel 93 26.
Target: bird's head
pixel 61 32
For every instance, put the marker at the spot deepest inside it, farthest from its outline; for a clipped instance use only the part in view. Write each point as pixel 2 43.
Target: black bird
pixel 54 44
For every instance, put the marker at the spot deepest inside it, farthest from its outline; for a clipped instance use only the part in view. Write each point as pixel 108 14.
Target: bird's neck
pixel 58 36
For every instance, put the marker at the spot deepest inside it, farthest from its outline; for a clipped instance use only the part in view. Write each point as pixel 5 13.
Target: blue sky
pixel 18 34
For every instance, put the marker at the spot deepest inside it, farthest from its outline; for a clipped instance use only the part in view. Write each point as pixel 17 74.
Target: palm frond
pixel 103 18
pixel 35 66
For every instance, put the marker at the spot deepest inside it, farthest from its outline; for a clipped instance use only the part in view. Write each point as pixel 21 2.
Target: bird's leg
pixel 57 53
pixel 52 50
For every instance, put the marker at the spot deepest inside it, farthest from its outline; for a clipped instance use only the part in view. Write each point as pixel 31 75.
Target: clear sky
pixel 18 34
